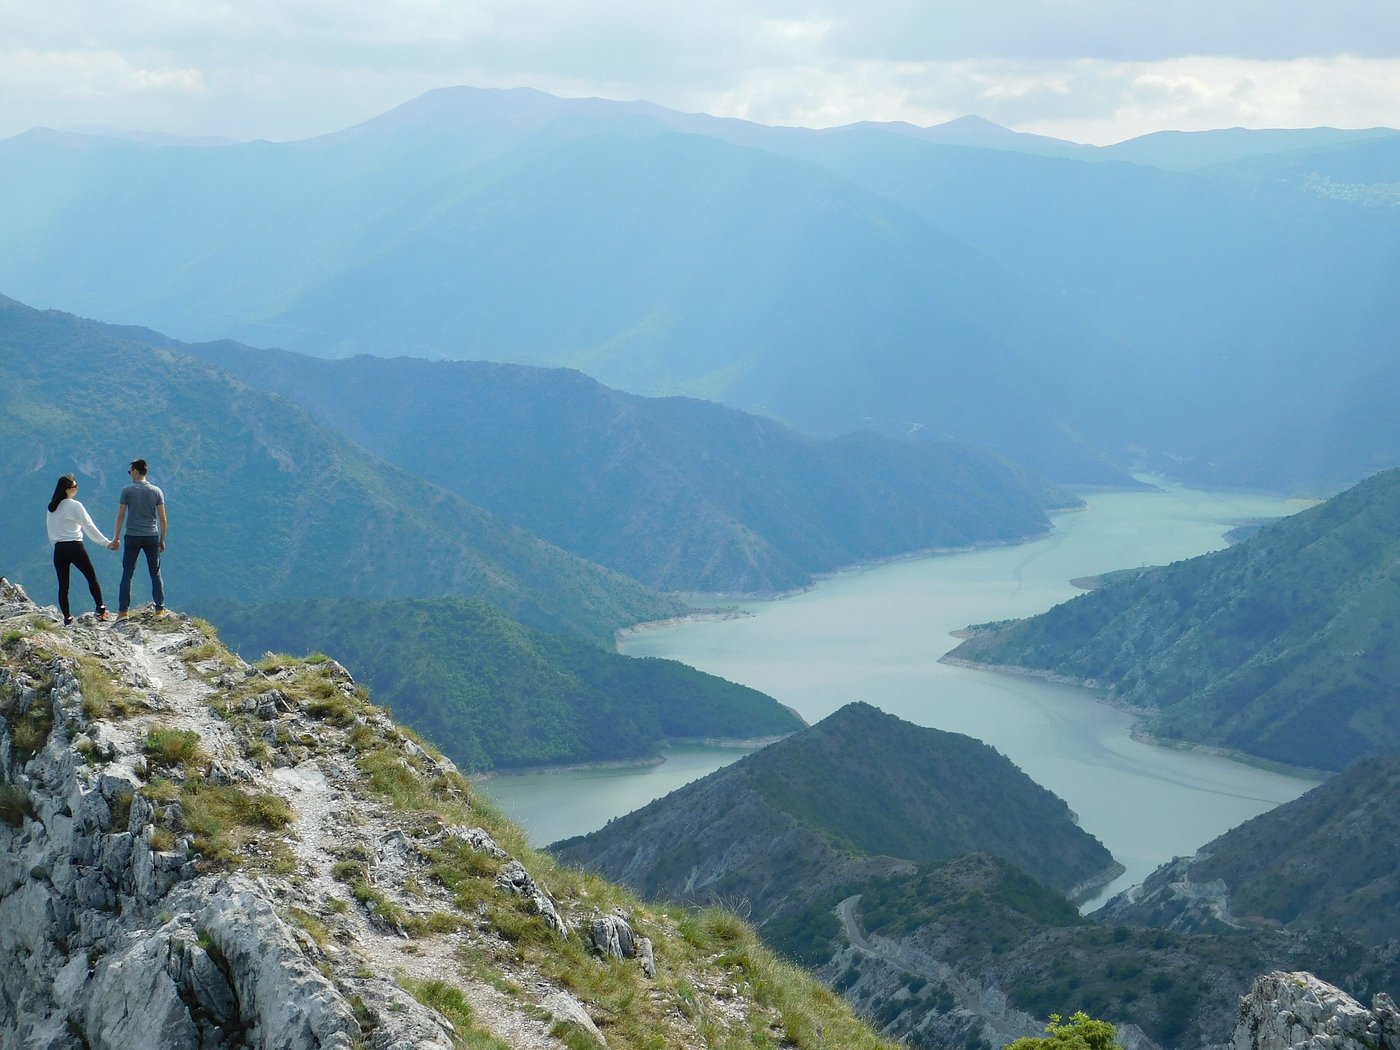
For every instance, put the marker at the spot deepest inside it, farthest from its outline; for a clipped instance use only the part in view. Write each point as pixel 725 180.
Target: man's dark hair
pixel 139 465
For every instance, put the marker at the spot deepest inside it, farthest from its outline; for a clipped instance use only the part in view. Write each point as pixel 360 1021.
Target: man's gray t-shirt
pixel 141 500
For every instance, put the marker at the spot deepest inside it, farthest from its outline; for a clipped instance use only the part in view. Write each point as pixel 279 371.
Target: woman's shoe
pixel 68 621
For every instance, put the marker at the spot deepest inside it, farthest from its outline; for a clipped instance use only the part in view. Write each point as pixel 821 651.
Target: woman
pixel 67 521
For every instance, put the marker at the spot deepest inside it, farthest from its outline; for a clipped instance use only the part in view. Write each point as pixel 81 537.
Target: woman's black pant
pixel 68 553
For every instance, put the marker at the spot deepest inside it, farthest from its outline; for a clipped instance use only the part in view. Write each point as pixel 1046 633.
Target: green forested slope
pixel 679 493
pixel 950 932
pixel 834 804
pixel 1329 859
pixel 494 694
pixel 264 502
pixel 1283 646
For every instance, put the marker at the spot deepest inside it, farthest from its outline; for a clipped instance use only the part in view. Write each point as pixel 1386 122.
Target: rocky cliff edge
pixel 196 852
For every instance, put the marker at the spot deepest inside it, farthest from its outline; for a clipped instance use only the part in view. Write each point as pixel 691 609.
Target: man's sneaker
pixel 123 615
pixel 162 611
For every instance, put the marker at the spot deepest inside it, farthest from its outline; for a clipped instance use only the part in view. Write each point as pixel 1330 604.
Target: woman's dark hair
pixel 60 491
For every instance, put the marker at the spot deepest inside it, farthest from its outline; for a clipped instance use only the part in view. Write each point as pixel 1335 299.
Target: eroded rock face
pixel 1296 1011
pixel 112 934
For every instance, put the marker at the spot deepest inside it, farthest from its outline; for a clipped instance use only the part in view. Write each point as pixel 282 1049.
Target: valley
pixel 711 504
pixel 877 635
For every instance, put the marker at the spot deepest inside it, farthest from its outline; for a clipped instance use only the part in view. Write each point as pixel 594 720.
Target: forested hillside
pixel 681 494
pixel 861 793
pixel 496 695
pixel 1328 860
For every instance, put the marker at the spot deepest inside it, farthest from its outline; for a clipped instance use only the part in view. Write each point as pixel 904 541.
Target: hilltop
pixel 1281 646
pixel 195 851
pixel 859 794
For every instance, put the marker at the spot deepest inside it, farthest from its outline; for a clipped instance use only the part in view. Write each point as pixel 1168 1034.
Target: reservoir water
pixel 877 634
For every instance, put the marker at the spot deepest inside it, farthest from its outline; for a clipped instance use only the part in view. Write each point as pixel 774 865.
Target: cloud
pixel 1092 69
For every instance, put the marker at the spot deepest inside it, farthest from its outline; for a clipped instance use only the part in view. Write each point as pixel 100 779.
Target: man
pixel 145 531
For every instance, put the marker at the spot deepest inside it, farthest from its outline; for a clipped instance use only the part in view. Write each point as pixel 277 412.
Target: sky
pixel 1097 71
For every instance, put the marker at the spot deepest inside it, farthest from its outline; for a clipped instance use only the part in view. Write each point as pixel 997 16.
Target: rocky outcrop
pixel 113 931
pixel 612 937
pixel 1296 1011
pixel 200 854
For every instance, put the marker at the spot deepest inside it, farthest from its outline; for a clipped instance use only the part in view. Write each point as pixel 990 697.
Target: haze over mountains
pixel 1217 306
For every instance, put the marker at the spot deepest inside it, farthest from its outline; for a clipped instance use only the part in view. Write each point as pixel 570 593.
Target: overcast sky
pixel 1088 70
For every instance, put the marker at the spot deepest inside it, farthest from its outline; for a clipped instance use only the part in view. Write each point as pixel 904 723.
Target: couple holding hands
pixel 141 506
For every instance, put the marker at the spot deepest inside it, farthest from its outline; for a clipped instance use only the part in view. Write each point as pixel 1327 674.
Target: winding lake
pixel 877 634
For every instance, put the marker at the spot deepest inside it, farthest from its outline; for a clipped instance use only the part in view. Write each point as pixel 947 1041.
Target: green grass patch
pixel 173 748
pixel 225 821
pixel 102 697
pixel 449 1001
pixel 29 732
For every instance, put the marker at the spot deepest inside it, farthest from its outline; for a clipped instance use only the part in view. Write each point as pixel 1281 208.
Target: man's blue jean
pixel 131 547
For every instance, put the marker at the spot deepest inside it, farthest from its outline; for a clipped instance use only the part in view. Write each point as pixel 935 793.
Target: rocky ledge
pixel 200 853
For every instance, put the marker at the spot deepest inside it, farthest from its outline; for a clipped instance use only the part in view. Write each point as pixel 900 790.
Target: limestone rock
pixel 515 879
pixel 1296 1011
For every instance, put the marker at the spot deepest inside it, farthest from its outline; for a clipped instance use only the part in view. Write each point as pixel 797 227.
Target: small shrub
pixel 1080 1032
pixel 15 805
pixel 30 731
pixel 173 748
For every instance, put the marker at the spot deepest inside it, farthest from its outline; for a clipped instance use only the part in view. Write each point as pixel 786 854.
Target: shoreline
pixel 1138 731
pixel 734 743
pixel 732 612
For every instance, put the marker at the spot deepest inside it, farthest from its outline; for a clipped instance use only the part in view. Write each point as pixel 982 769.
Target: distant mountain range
pixel 1282 646
pixel 681 494
pixel 264 502
pixel 858 795
pixel 495 695
pixel 1217 306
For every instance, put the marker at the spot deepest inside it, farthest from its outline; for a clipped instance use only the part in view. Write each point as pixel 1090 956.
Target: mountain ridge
pixel 680 494
pixel 783 826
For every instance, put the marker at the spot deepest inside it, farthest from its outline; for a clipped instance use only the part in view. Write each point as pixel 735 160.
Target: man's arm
pixel 160 509
pixel 117 529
